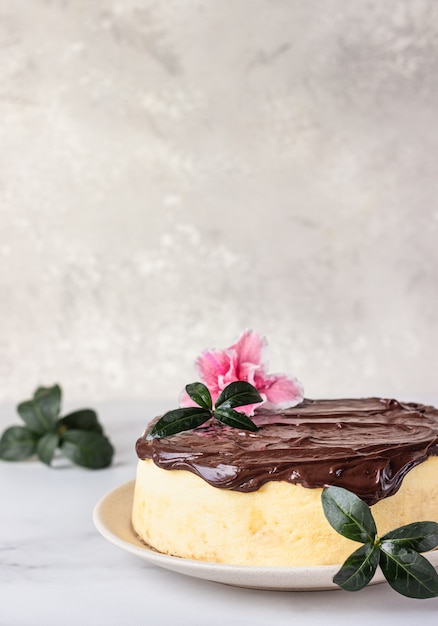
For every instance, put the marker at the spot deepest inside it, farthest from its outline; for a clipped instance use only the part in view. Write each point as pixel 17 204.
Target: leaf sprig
pixel 79 435
pixel 397 552
pixel 238 393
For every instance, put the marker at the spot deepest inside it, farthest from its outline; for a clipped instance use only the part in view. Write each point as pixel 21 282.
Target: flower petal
pixel 250 355
pixel 247 359
pixel 214 367
pixel 249 409
pixel 246 371
pixel 281 391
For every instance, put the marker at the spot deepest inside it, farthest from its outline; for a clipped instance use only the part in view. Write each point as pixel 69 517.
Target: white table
pixel 56 569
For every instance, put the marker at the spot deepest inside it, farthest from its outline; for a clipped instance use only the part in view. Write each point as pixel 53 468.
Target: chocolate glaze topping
pixel 365 445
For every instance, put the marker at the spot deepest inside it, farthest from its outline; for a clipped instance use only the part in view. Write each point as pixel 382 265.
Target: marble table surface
pixel 55 568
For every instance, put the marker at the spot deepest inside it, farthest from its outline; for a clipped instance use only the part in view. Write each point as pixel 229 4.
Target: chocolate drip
pixel 365 445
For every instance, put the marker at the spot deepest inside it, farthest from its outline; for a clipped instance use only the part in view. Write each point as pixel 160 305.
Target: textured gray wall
pixel 173 172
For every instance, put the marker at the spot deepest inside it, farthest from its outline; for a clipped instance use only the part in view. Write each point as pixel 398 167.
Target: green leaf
pixel 408 572
pixel 234 419
pixel 35 421
pixel 46 447
pixel 41 413
pixel 358 569
pixel 17 443
pixel 49 399
pixel 87 448
pixel 238 393
pixel 419 536
pixel 200 394
pixel 84 419
pixel 178 420
pixel 348 514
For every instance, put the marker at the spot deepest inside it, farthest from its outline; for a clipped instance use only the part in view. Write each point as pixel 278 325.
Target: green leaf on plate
pixel 408 572
pixel 358 569
pixel 17 443
pixel 419 536
pixel 348 514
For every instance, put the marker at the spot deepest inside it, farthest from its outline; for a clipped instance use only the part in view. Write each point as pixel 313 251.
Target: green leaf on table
pixel 238 393
pixel 46 447
pixel 49 400
pixel 79 433
pixel 31 415
pixel 200 394
pixel 179 420
pixel 40 414
pixel 234 419
pixel 87 448
pixel 408 572
pixel 84 419
pixel 348 514
pixel 419 536
pixel 17 443
pixel 358 569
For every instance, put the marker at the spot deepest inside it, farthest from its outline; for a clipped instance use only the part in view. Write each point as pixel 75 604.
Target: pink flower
pixel 246 360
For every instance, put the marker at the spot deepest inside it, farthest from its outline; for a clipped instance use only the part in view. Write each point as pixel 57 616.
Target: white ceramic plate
pixel 112 518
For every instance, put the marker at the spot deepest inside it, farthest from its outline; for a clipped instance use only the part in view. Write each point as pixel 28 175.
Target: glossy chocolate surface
pixel 365 445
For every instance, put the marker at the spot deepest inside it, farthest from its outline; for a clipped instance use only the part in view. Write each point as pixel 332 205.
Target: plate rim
pixel 294 578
